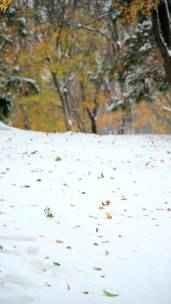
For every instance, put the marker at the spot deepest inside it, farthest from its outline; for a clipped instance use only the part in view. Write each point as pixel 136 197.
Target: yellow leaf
pixel 5 4
pixel 109 215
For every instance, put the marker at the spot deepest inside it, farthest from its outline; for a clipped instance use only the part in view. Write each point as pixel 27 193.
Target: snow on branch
pixel 167 109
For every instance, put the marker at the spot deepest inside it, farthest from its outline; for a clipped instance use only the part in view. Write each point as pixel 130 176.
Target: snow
pixel 169 52
pixel 111 201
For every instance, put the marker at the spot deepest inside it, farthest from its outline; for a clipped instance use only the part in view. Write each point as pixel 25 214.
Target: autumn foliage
pixel 131 10
pixel 4 4
pixel 90 68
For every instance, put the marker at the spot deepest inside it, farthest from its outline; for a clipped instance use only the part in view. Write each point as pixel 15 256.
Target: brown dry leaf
pixel 72 205
pixel 59 242
pixel 85 292
pixel 106 203
pixel 97 268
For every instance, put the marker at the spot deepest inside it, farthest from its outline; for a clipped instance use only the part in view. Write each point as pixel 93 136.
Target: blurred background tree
pixel 89 66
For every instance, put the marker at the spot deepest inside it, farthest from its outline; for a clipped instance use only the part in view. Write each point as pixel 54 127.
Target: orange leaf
pixel 59 242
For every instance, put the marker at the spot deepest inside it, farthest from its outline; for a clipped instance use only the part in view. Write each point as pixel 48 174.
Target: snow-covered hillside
pixel 84 219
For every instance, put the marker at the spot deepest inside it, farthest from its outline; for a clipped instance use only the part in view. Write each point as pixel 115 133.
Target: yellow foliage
pixel 130 12
pixel 88 104
pixel 4 5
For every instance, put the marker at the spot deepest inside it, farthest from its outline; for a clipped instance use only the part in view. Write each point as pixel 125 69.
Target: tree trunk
pixel 162 32
pixel 93 120
pixel 25 117
pixel 65 103
pixel 126 122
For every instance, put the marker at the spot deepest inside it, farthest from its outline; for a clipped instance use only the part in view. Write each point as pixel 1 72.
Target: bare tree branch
pixel 92 30
pixel 98 18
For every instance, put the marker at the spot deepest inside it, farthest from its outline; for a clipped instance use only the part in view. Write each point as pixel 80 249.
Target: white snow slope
pixel 108 239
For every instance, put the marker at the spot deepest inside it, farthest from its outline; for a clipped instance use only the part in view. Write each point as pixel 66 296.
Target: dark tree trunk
pixel 162 32
pixel 163 12
pixel 93 119
pixel 92 114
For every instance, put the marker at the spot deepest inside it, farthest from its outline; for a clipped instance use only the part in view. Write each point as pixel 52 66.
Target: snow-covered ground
pixel 84 219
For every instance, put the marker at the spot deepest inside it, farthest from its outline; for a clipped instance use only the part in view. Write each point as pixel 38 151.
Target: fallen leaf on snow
pixel 48 284
pixel 106 203
pixel 58 158
pixel 93 217
pixel 123 198
pixel 109 215
pixel 56 264
pixel 72 205
pixel 59 242
pixel 97 268
pixel 110 294
pixel 34 152
pixel 85 292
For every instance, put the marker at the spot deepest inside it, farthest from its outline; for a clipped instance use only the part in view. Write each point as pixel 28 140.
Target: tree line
pixel 84 65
